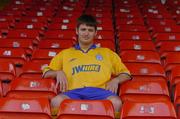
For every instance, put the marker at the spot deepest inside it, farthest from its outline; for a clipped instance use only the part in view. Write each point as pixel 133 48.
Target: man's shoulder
pixel 104 49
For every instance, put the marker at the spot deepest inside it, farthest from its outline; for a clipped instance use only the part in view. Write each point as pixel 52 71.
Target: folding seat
pixel 32 88
pixel 61 34
pixel 30 25
pixel 105 35
pixel 177 99
pixel 16 55
pixel 146 70
pixel 127 21
pixel 107 43
pixel 166 37
pixel 7 74
pixel 4 25
pixel 131 28
pixel 33 19
pixel 32 69
pixel 165 29
pixel 160 22
pixel 44 54
pixel 168 46
pixel 144 90
pixel 174 75
pixel 136 45
pixel 55 44
pixel 134 36
pixel 62 26
pixel 27 44
pixel 170 60
pixel 89 109
pixel 23 33
pixel 148 110
pixel 140 56
pixel 12 108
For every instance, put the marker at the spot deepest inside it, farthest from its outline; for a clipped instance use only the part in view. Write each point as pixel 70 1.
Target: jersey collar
pixel 77 47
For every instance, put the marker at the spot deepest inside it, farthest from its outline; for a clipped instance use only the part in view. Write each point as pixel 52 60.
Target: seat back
pixel 81 109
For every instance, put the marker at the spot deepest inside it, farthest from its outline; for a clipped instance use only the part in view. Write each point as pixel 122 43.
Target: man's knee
pixel 56 101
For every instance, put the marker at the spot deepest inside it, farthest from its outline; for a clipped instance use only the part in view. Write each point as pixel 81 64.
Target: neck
pixel 85 47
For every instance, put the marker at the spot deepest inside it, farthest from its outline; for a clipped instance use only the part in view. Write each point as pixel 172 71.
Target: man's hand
pixel 113 85
pixel 61 81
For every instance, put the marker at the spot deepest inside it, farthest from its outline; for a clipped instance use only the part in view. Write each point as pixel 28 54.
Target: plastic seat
pixel 170 60
pixel 144 90
pixel 60 34
pixel 136 45
pixel 131 28
pixel 107 43
pixel 148 110
pixel 134 36
pixel 16 55
pixel 166 37
pixel 44 54
pixel 55 44
pixel 146 70
pixel 96 109
pixel 7 74
pixel 174 75
pixel 62 26
pixel 105 35
pixel 140 56
pixel 32 87
pixel 23 33
pixel 168 46
pixel 30 25
pixel 11 108
pixel 134 21
pixel 32 69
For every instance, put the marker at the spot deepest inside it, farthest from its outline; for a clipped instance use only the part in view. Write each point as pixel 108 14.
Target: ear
pixel 95 33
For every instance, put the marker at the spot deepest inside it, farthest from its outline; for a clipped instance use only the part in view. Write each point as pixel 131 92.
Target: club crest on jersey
pixel 99 57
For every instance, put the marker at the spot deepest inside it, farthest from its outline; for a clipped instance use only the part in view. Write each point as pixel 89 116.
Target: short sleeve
pixel 55 64
pixel 117 65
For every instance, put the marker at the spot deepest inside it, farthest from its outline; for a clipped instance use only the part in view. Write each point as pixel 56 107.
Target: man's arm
pixel 60 77
pixel 113 84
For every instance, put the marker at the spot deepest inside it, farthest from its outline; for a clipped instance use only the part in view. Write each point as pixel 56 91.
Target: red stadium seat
pixel 55 44
pixel 89 109
pixel 148 110
pixel 146 70
pixel 44 54
pixel 144 90
pixel 134 36
pixel 32 69
pixel 32 87
pixel 136 45
pixel 11 108
pixel 140 56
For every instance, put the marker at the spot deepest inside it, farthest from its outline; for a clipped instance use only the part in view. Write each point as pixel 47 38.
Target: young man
pixel 84 71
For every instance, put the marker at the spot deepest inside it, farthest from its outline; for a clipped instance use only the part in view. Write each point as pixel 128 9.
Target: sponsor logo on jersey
pixel 86 68
pixel 99 57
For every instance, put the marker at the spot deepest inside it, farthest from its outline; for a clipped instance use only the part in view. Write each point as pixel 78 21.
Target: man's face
pixel 86 34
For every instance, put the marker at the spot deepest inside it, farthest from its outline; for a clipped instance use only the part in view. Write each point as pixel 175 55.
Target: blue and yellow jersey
pixel 87 69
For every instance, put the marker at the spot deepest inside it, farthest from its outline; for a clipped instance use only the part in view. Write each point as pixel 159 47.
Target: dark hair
pixel 89 20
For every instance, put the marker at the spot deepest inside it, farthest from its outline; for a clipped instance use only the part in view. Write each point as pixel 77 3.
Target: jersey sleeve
pixel 117 65
pixel 55 64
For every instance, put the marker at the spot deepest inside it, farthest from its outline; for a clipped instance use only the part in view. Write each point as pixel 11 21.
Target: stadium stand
pixel 144 33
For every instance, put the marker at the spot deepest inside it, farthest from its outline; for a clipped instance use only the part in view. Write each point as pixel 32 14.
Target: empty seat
pixel 144 90
pixel 140 56
pixel 136 45
pixel 134 36
pixel 148 110
pixel 60 34
pixel 89 109
pixel 32 87
pixel 55 44
pixel 32 69
pixel 11 108
pixel 44 54
pixel 146 70
pixel 168 46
